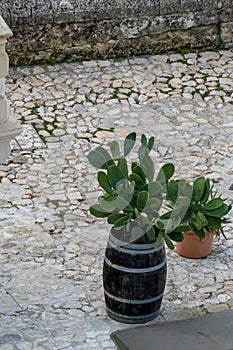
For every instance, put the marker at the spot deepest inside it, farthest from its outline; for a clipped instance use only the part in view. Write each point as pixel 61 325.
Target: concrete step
pixel 210 332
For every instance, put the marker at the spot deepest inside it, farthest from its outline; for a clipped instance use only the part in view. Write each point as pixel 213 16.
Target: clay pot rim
pixel 195 236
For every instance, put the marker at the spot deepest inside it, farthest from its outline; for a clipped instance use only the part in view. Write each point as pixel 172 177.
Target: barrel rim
pixel 132 319
pixel 136 270
pixel 127 249
pixel 134 246
pixel 134 301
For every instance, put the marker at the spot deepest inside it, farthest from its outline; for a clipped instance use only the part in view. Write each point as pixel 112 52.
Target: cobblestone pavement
pixel 51 247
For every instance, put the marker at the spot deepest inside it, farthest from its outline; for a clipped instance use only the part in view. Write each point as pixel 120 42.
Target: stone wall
pixel 73 29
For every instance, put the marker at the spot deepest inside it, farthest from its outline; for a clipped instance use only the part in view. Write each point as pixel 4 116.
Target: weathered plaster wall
pixel 71 29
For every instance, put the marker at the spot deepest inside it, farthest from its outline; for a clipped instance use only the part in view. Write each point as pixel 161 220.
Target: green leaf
pixel 122 165
pixel 148 167
pixel 181 207
pixel 143 221
pixel 152 205
pixel 96 159
pixel 214 223
pixel 114 217
pixel 97 211
pixel 151 234
pixel 125 189
pixel 182 228
pixel 137 234
pixel 219 212
pixel 159 223
pixel 100 158
pixel 142 198
pixel 196 207
pixel 195 221
pixel 144 140
pixel 134 164
pixel 166 215
pixel 142 152
pixel 198 189
pixel 137 179
pixel 168 241
pixel 200 233
pixel 176 236
pixel 165 173
pixel 114 175
pixel 154 189
pixel 159 239
pixel 214 203
pixel 182 182
pixel 151 143
pixel 172 223
pixel 115 149
pixel 103 181
pixel 202 218
pixel 122 221
pixel 185 189
pixel 129 143
pixel 172 191
pixel 113 204
pixel 207 192
pixel 138 170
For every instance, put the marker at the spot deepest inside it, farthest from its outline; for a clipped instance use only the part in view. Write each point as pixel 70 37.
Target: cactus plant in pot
pixel 134 271
pixel 205 214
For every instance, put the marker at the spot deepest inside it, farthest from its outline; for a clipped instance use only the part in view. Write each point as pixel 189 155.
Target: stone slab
pixel 210 332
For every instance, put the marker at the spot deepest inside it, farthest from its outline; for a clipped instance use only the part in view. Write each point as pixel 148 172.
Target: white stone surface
pixel 9 129
pixel 5 31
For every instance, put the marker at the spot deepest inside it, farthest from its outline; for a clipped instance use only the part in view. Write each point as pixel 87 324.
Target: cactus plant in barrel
pixel 204 213
pixel 134 272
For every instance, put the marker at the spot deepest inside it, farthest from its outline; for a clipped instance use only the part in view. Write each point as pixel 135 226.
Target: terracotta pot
pixel 194 247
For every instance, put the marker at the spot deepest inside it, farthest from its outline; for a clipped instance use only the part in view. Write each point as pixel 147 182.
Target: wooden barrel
pixel 134 278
